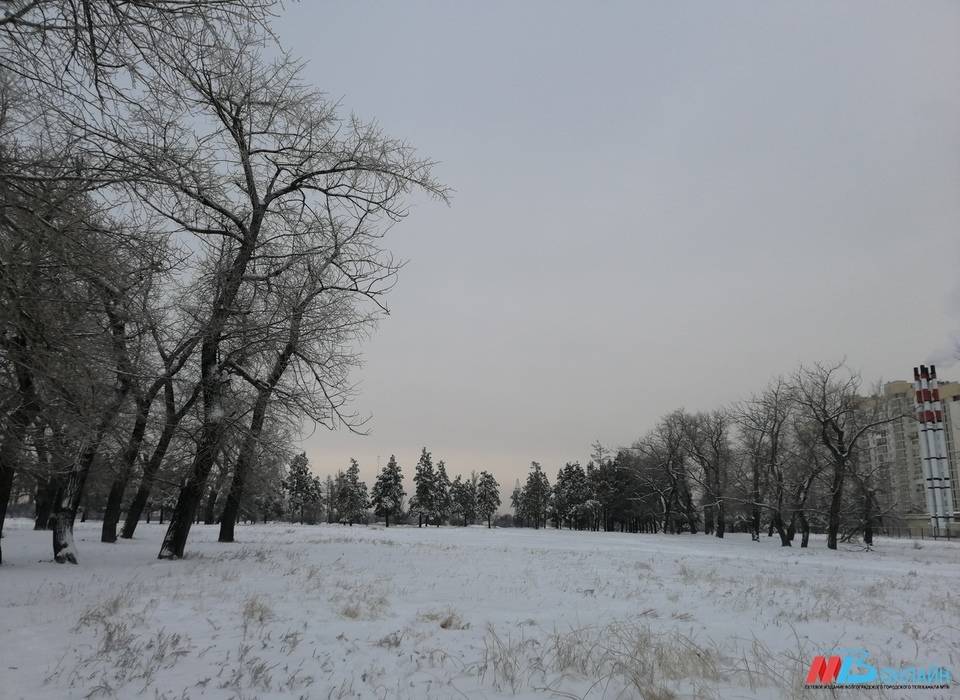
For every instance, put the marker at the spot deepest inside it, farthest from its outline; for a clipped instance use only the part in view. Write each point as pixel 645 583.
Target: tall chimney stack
pixel 933 447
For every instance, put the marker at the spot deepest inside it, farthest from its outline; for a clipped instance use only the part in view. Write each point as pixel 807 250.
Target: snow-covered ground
pixel 344 612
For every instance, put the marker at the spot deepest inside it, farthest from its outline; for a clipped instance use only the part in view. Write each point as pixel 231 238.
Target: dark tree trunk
pixel 868 517
pixel 210 509
pixel 836 502
pixel 151 468
pixel 708 520
pixel 721 517
pixel 211 389
pixel 65 511
pixel 386 518
pixel 777 522
pixel 16 427
pixel 804 530
pixel 46 497
pixel 213 494
pixel 111 515
pixel 244 460
pixel 755 510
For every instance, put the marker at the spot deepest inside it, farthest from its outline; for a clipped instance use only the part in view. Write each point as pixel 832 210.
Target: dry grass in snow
pixel 335 612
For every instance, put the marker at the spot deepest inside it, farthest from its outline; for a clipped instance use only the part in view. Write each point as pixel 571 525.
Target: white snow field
pixel 366 612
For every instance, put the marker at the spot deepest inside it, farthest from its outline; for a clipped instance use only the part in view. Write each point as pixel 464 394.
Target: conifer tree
pixel 302 487
pixel 387 495
pixel 536 495
pixel 424 478
pixel 355 500
pixel 441 494
pixel 488 496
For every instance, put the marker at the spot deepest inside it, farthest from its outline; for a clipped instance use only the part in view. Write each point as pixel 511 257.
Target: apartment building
pixel 896 456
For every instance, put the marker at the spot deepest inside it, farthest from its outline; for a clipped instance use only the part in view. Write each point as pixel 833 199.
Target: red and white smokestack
pixel 933 447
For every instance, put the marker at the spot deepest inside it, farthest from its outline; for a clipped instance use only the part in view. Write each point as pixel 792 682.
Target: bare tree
pixel 220 118
pixel 828 396
pixel 666 472
pixel 706 439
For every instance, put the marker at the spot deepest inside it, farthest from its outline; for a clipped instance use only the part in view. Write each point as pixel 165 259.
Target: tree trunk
pixel 777 522
pixel 46 497
pixel 755 513
pixel 247 454
pixel 111 515
pixel 868 518
pixel 804 530
pixel 175 539
pixel 721 516
pixel 836 501
pixel 139 502
pixel 386 517
pixel 10 449
pixel 708 519
pixel 248 449
pixel 66 510
pixel 211 390
pixel 210 509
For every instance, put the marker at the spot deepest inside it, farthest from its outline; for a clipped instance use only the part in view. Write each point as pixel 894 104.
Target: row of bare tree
pixel 794 457
pixel 798 450
pixel 191 245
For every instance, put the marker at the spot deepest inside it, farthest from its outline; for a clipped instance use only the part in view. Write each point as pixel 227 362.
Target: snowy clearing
pixel 345 612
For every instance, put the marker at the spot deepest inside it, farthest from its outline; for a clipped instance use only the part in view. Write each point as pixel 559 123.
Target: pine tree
pixel 536 495
pixel 302 487
pixel 517 503
pixel 441 494
pixel 488 496
pixel 387 495
pixel 459 497
pixel 330 489
pixel 424 478
pixel 355 500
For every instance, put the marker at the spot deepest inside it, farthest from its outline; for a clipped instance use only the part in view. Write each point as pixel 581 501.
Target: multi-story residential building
pixel 896 457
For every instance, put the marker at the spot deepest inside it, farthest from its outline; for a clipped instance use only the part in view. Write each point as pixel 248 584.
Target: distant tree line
pixel 792 459
pixel 296 494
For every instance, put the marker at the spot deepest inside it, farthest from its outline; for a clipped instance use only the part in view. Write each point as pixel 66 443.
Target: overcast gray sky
pixel 658 205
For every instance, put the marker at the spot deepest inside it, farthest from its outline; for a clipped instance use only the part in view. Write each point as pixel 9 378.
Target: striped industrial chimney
pixel 933 447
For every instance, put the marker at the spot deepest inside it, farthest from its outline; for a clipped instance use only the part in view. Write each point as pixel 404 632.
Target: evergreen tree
pixel 470 498
pixel 355 499
pixel 302 487
pixel 423 478
pixel 387 495
pixel 488 496
pixel 441 494
pixel 536 495
pixel 517 503
pixel 330 489
pixel 463 497
pixel 570 491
